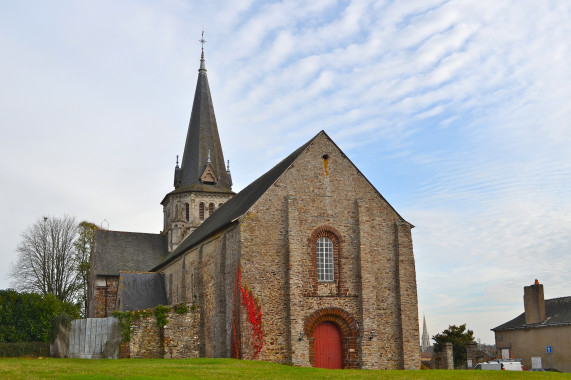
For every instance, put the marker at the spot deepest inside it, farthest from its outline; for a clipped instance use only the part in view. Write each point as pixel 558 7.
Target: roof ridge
pixel 559 299
pixel 129 232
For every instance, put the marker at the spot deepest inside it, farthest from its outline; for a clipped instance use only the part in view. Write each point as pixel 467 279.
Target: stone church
pixel 308 265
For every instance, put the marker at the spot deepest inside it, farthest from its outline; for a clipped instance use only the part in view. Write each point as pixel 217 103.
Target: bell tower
pixel 202 183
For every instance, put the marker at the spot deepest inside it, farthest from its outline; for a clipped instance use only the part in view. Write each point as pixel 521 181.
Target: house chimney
pixel 534 303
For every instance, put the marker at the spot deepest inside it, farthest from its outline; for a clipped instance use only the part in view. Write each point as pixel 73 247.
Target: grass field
pixel 16 368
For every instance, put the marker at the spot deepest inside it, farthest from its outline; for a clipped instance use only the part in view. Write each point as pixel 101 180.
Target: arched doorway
pixel 328 325
pixel 328 349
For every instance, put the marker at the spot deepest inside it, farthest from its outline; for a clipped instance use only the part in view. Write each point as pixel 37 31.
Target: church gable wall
pixel 321 194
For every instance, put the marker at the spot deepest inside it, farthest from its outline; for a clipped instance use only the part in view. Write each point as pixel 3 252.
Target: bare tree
pixel 46 261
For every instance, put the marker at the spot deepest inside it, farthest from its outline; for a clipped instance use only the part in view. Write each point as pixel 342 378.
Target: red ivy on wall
pixel 254 310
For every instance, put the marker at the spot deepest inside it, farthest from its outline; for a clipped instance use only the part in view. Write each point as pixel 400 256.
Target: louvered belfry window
pixel 201 211
pixel 325 260
pixel 210 209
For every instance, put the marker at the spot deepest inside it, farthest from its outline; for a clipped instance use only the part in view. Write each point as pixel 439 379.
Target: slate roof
pixel 127 251
pixel 141 290
pixel 557 312
pixel 202 139
pixel 237 206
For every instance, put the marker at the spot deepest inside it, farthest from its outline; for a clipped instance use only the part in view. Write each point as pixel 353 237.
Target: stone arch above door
pixel 349 333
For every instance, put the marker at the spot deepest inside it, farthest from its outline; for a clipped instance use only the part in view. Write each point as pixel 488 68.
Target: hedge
pixel 27 317
pixel 24 349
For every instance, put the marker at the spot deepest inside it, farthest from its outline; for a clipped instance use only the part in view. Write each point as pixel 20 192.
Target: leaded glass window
pixel 325 260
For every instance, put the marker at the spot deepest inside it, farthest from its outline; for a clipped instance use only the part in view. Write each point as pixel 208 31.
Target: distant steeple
pixel 203 151
pixel 425 337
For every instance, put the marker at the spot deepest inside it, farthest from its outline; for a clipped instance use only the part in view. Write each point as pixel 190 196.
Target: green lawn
pixel 221 369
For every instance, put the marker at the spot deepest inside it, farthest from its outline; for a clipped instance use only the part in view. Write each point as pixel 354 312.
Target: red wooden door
pixel 327 346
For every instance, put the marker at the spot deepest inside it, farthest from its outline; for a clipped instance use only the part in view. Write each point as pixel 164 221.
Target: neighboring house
pixel 544 325
pixel 308 265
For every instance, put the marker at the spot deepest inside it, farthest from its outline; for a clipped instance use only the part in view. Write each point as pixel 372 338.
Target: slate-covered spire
pixel 202 140
pixel 425 336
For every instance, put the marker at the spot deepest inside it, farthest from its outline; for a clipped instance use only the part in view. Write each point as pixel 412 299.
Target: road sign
pixel 548 349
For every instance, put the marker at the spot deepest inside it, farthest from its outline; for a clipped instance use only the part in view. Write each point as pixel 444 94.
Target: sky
pixel 458 112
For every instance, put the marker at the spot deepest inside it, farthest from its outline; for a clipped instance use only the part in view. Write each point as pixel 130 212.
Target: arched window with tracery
pixel 201 211
pixel 210 209
pixel 325 260
pixel 187 211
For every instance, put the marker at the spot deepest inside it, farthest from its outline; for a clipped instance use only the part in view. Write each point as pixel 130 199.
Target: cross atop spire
pixel 202 66
pixel 202 41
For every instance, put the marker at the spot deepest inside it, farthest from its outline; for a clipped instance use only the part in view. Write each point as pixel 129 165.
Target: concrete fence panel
pixel 94 338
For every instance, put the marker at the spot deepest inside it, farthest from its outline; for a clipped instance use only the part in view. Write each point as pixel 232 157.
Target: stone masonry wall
pixel 179 338
pixel 375 282
pixel 408 300
pixel 176 226
pixel 205 275
pixel 105 296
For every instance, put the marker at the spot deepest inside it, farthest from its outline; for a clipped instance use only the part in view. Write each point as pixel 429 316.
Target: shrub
pixel 181 308
pixel 27 317
pixel 26 349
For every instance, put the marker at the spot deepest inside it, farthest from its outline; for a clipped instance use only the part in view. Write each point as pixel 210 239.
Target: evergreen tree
pixel 459 336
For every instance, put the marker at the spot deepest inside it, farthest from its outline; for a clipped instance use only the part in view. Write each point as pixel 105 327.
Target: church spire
pixel 425 337
pixel 203 151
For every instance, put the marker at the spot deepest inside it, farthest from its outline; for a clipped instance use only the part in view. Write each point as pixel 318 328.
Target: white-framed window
pixel 325 260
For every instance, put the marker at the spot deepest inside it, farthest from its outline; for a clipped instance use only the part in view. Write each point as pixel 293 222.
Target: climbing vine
pixel 161 314
pixel 254 310
pixel 127 317
pixel 180 308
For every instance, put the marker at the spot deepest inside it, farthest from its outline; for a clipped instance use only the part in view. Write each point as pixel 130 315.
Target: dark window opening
pixel 201 211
